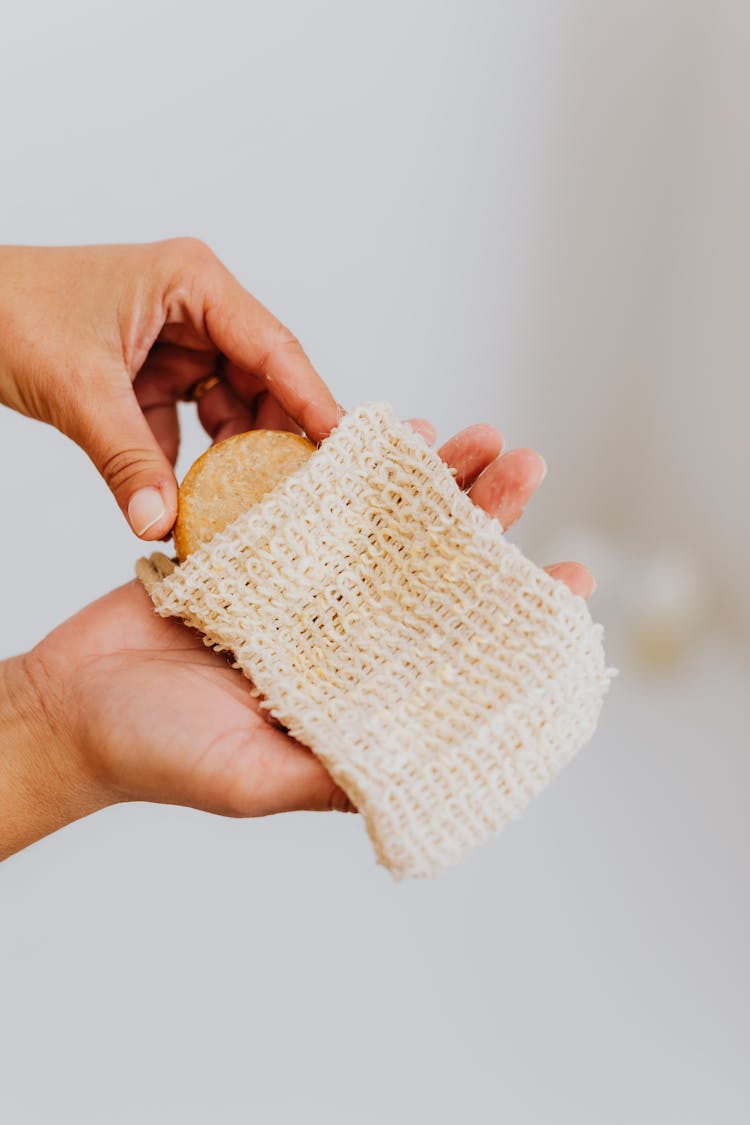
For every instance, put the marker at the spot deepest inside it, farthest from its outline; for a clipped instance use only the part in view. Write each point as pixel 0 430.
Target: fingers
pixel 505 487
pixel 471 451
pixel 172 370
pixel 270 416
pixel 223 414
pixel 165 427
pixel 304 786
pixel 423 427
pixel 277 775
pixel 576 577
pixel 161 383
pixel 112 429
pixel 260 348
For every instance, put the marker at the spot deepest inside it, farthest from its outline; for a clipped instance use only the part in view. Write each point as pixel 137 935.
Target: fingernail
pixel 340 412
pixel 146 508
pixel 544 468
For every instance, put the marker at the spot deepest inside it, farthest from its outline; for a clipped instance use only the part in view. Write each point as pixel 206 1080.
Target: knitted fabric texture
pixel 440 676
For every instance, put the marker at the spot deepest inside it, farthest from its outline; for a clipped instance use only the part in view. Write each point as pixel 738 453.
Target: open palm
pixel 158 716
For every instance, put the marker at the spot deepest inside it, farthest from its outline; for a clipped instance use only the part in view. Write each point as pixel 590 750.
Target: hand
pixel 103 341
pixel 118 704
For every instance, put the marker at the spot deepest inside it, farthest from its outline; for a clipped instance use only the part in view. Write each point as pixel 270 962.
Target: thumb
pixel 111 428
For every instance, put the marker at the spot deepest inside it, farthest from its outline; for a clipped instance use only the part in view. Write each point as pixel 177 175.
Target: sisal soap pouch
pixel 440 676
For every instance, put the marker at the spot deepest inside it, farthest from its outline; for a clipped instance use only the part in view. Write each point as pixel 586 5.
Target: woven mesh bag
pixel 384 619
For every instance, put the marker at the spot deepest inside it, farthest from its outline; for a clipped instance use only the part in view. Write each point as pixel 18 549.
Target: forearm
pixel 41 787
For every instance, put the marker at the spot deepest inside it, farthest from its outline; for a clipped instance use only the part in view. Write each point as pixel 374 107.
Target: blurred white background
pixel 533 215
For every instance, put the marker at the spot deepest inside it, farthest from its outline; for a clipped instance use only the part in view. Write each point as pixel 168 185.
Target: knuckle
pixel 190 250
pixel 125 465
pixel 282 340
pixel 189 267
pixel 280 343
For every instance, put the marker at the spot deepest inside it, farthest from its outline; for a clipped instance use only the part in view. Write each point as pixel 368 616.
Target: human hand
pixel 119 704
pixel 103 341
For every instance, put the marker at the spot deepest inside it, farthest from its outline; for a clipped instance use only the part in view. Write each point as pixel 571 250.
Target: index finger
pixel 257 344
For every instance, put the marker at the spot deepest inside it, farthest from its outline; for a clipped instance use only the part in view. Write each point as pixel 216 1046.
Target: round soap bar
pixel 229 478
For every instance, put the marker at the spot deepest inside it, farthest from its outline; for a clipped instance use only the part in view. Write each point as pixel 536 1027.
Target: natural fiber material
pixel 441 677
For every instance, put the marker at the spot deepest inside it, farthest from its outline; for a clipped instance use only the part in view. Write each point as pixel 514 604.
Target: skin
pixel 117 704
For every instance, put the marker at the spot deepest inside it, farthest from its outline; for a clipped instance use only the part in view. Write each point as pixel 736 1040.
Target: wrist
pixel 43 781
